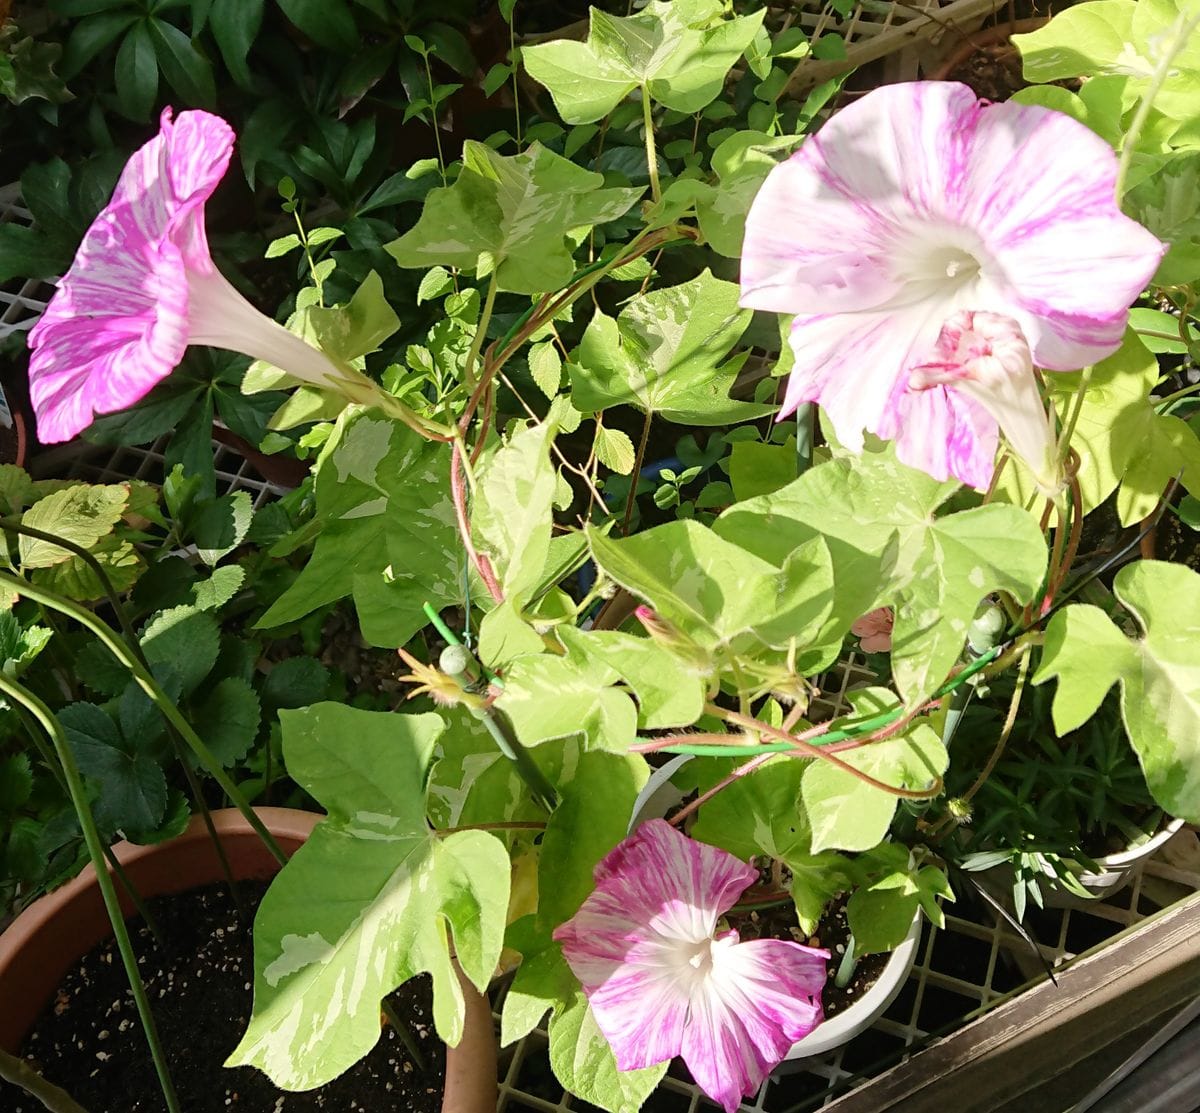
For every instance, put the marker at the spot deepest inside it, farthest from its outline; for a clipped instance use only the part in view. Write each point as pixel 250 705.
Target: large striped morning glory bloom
pixel 143 287
pixel 660 983
pixel 917 203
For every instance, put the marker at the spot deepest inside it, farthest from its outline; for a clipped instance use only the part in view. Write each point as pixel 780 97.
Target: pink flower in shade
pixel 143 287
pixel 660 984
pixel 916 203
pixel 874 630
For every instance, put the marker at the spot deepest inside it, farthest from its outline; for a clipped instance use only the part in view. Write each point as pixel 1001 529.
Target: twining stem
pixel 636 474
pixel 795 746
pixel 858 731
pixel 485 318
pixel 95 846
pixel 135 647
pixel 146 681
pixel 1006 730
pixel 1064 444
pixel 1177 40
pixel 21 1074
pixel 741 771
pixel 545 310
pixel 651 154
pixel 458 496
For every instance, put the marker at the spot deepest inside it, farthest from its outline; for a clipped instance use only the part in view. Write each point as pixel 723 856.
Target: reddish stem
pixel 458 492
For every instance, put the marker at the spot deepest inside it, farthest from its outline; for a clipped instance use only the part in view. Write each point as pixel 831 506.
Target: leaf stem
pixel 485 317
pixel 22 1075
pixel 1180 30
pixel 651 154
pixel 460 663
pixel 636 475
pixel 1064 444
pixel 91 836
pixel 146 681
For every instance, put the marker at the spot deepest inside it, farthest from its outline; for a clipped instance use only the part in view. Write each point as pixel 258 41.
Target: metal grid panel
pixel 105 464
pixel 21 303
pixel 971 965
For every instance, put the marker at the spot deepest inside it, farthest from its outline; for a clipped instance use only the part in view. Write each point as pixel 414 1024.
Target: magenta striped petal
pixel 660 985
pixel 119 323
pixel 763 996
pixel 918 202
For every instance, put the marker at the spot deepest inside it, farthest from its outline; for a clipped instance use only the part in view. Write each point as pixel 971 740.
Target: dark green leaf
pixel 327 22
pixel 137 73
pixel 228 720
pixel 188 71
pixel 235 25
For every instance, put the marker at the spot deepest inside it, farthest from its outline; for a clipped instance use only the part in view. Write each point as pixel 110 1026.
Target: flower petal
pixel 1041 190
pixel 854 364
pixel 762 996
pixel 638 941
pixel 947 435
pixel 118 322
pixel 115 328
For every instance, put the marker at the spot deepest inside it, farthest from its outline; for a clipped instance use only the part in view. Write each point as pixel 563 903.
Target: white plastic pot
pixel 1115 872
pixel 659 796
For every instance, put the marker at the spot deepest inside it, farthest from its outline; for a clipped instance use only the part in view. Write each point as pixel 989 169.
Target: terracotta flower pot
pixel 52 934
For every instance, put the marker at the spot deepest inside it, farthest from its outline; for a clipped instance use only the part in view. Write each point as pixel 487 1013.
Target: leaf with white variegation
pixel 331 941
pixel 720 596
pixel 680 52
pixel 1159 674
pixel 511 515
pixel 511 215
pixel 847 813
pixel 385 532
pixel 889 546
pixel 667 353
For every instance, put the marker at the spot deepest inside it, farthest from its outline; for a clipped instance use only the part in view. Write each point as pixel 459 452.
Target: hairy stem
pixel 636 475
pixel 95 845
pixel 651 154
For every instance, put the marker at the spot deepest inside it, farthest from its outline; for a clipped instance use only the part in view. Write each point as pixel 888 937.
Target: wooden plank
pixel 1146 972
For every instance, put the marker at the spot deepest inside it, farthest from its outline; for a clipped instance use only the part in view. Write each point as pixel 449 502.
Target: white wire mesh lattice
pixel 21 301
pixel 106 464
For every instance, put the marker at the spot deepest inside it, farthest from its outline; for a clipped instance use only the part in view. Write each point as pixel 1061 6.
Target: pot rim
pixel 289 824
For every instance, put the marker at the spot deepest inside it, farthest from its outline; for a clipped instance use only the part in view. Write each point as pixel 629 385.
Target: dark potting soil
pixel 90 1042
pixel 778 921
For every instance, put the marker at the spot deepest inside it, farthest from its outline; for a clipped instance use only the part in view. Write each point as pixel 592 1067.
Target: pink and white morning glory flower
pixel 143 287
pixel 918 203
pixel 660 982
